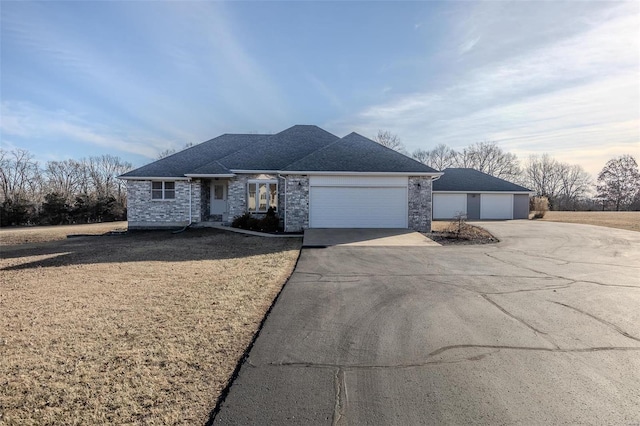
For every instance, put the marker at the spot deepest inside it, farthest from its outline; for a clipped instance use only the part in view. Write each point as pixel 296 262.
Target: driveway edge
pixel 236 371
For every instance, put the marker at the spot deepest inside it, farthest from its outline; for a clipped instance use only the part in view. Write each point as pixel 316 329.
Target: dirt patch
pixel 621 220
pixel 145 327
pixel 443 233
pixel 39 234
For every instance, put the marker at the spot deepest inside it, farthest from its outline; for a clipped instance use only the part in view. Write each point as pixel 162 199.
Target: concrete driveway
pixel 542 328
pixel 322 238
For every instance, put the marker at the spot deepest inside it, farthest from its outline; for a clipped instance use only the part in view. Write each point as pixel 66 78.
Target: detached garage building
pixel 478 196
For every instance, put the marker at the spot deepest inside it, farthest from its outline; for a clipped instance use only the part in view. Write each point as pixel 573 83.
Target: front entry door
pixel 219 199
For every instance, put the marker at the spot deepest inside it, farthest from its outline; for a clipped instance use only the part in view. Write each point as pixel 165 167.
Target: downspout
pixel 285 201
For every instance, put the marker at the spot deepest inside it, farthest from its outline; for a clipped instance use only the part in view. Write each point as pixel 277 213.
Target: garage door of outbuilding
pixel 496 206
pixel 448 206
pixel 358 202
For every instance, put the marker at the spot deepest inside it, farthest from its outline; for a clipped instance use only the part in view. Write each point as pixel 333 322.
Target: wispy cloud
pixel 579 94
pixel 193 64
pixel 467 45
pixel 25 121
pixel 323 89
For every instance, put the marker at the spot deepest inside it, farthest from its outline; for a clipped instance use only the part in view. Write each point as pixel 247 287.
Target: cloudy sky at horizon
pixel 135 78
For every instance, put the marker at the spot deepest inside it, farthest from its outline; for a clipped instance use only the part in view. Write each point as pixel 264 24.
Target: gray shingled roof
pixel 212 168
pixel 183 162
pixel 298 148
pixel 471 180
pixel 275 152
pixel 355 153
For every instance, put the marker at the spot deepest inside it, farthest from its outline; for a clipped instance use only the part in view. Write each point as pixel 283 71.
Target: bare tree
pixel 464 159
pixel 103 172
pixel 64 177
pixel 440 157
pixel 489 158
pixel 619 181
pixel 18 172
pixel 542 175
pixel 171 151
pixel 386 138
pixel 575 185
pixel 421 155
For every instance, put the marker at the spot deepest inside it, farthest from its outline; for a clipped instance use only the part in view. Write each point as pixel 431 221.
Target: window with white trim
pixel 262 194
pixel 163 190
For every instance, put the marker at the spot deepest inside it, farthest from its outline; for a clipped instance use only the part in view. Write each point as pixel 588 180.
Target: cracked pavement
pixel 543 327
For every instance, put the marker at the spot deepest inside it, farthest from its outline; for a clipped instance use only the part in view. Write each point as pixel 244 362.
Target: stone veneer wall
pixel 143 212
pixel 420 203
pixel 297 208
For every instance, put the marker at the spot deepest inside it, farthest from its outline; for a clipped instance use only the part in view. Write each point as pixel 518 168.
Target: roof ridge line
pixel 311 153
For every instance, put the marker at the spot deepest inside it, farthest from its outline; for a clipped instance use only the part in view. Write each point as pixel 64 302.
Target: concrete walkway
pixel 365 238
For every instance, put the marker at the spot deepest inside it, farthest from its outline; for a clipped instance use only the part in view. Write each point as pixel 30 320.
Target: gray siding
pixel 473 206
pixel 521 206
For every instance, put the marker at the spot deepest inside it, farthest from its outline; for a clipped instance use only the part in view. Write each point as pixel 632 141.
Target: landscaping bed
pixel 447 232
pixel 144 327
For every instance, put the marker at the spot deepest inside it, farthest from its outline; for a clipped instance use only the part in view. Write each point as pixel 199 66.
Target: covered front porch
pixel 223 198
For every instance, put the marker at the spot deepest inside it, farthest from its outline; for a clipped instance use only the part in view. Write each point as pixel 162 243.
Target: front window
pixel 163 190
pixel 262 194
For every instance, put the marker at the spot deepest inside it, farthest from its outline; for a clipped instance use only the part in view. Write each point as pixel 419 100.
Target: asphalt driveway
pixel 541 328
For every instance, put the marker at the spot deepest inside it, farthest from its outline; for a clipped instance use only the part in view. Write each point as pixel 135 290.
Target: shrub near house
pixel 269 223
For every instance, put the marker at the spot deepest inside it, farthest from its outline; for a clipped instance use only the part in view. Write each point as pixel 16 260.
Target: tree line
pixel 566 186
pixel 61 192
pixel 87 190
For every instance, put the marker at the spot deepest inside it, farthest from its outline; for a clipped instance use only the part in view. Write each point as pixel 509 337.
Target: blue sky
pixel 135 78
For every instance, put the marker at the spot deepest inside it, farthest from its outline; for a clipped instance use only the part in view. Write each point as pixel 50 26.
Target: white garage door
pixel 496 206
pixel 448 206
pixel 357 202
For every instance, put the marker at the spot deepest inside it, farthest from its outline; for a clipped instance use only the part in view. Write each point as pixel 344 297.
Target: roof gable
pixel 471 180
pixel 356 153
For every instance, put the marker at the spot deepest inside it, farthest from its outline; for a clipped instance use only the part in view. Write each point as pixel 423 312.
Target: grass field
pixel 35 234
pixel 622 220
pixel 136 328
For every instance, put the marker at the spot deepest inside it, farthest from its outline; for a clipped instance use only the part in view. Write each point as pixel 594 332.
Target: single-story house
pixel 478 195
pixel 312 178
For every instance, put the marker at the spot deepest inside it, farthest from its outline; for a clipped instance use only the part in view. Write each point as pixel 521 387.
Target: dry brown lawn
pixel 36 234
pixel 621 220
pixel 137 328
